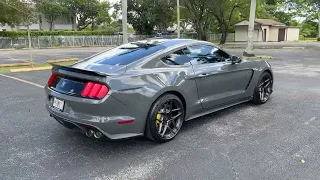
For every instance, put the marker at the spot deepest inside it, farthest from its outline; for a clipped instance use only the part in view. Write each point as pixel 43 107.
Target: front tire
pixel 263 89
pixel 165 118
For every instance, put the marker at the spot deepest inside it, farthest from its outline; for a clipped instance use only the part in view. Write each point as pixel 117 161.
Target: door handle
pixel 203 75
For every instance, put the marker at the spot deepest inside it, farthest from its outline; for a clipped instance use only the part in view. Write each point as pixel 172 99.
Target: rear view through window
pixel 125 54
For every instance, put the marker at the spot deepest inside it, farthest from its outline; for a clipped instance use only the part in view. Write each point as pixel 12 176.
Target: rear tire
pixel 263 89
pixel 165 118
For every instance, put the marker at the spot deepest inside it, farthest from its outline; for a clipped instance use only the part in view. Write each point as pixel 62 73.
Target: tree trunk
pixel 224 32
pixel 92 26
pixel 201 32
pixel 51 25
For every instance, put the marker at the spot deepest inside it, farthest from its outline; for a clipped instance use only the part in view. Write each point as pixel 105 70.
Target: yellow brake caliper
pixel 158 118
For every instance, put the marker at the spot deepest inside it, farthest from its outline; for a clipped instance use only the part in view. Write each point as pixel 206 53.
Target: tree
pixel 224 13
pixel 185 20
pixel 14 12
pixel 148 15
pixel 103 16
pixel 310 8
pixel 51 10
pixel 88 12
pixel 199 14
pixel 227 13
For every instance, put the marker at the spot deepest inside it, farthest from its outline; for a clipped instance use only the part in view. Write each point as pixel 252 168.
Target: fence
pixel 73 41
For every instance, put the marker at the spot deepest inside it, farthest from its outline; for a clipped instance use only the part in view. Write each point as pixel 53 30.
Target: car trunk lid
pixel 73 81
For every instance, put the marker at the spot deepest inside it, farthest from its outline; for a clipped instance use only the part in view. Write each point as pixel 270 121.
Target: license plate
pixel 58 104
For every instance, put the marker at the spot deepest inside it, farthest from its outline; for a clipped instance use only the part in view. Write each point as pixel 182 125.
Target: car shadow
pixel 132 145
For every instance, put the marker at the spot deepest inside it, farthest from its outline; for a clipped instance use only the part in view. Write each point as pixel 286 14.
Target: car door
pixel 219 81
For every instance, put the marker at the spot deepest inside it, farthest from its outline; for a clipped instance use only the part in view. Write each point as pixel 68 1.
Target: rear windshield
pixel 125 54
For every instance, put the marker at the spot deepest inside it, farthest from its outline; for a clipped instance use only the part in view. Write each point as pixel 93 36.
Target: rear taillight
pixel 51 79
pixel 94 90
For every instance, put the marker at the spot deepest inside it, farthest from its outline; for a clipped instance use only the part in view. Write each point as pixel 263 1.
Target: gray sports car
pixel 151 87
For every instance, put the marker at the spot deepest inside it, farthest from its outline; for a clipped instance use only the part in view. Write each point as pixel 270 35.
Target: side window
pixel 178 57
pixel 206 54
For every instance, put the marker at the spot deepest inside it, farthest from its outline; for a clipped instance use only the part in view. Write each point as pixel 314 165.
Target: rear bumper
pixel 103 115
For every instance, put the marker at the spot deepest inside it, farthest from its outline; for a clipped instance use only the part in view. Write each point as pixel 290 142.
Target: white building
pixel 266 30
pixel 41 23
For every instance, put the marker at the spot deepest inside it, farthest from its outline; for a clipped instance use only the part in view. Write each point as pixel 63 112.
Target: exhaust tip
pixel 89 133
pixel 97 134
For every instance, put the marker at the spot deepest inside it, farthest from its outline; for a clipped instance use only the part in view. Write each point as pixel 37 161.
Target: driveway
pixel 243 142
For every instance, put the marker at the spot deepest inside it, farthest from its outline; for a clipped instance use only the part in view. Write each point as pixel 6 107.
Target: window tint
pixel 125 54
pixel 177 58
pixel 205 54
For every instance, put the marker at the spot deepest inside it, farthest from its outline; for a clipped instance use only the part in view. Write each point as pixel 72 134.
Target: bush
pixel 318 39
pixel 14 34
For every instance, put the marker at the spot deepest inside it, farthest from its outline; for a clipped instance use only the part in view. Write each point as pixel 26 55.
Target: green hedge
pixel 318 39
pixel 52 33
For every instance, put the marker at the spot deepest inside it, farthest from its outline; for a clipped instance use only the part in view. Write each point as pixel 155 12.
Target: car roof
pixel 165 42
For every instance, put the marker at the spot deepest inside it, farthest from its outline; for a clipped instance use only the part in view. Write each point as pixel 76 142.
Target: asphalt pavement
pixel 42 55
pixel 269 141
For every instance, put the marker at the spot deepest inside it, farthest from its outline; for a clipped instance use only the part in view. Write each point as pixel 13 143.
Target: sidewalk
pixel 275 45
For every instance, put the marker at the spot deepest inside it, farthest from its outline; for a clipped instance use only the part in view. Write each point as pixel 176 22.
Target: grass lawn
pixel 7 69
pixel 308 40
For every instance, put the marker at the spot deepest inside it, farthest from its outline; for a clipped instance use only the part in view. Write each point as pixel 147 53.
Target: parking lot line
pixel 21 80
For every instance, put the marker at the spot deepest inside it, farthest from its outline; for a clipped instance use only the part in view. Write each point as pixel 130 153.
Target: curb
pixel 67 47
pixel 272 47
pixel 15 65
pixel 29 63
pixel 62 60
pixel 293 47
pixel 31 69
pixel 259 57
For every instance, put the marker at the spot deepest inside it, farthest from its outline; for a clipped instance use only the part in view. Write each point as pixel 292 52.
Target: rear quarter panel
pixel 139 89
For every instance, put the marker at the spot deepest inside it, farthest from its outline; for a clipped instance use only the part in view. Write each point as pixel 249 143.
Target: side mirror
pixel 235 59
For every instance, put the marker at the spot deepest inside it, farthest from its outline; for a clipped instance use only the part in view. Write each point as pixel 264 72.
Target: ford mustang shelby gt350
pixel 151 87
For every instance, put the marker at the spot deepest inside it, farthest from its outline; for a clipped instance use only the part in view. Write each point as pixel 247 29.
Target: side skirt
pixel 209 111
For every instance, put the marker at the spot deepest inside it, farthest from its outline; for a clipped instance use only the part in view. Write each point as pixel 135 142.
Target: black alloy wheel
pixel 165 119
pixel 263 89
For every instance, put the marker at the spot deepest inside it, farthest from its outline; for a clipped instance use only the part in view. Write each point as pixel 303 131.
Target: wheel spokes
pixel 265 88
pixel 167 120
pixel 174 117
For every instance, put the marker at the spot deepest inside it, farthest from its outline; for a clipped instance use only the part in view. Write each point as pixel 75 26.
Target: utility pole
pixel 178 18
pixel 30 50
pixel 124 21
pixel 319 21
pixel 249 50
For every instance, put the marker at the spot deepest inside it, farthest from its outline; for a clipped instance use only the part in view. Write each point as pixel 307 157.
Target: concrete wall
pixel 292 34
pixel 241 33
pixel 274 33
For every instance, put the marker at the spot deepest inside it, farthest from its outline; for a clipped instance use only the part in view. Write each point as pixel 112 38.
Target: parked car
pixel 151 87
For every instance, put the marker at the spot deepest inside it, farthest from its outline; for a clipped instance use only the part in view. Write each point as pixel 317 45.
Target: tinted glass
pixel 204 54
pixel 68 86
pixel 125 54
pixel 177 58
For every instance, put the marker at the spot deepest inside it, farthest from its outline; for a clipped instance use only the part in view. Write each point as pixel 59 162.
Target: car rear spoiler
pixel 56 67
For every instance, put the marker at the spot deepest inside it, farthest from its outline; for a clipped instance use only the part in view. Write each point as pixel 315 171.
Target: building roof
pixel 264 22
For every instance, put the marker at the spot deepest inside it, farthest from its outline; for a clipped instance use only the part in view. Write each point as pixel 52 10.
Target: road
pixel 242 142
pixel 42 55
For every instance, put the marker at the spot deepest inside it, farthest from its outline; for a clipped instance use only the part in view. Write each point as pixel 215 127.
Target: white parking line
pixel 310 120
pixel 21 80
